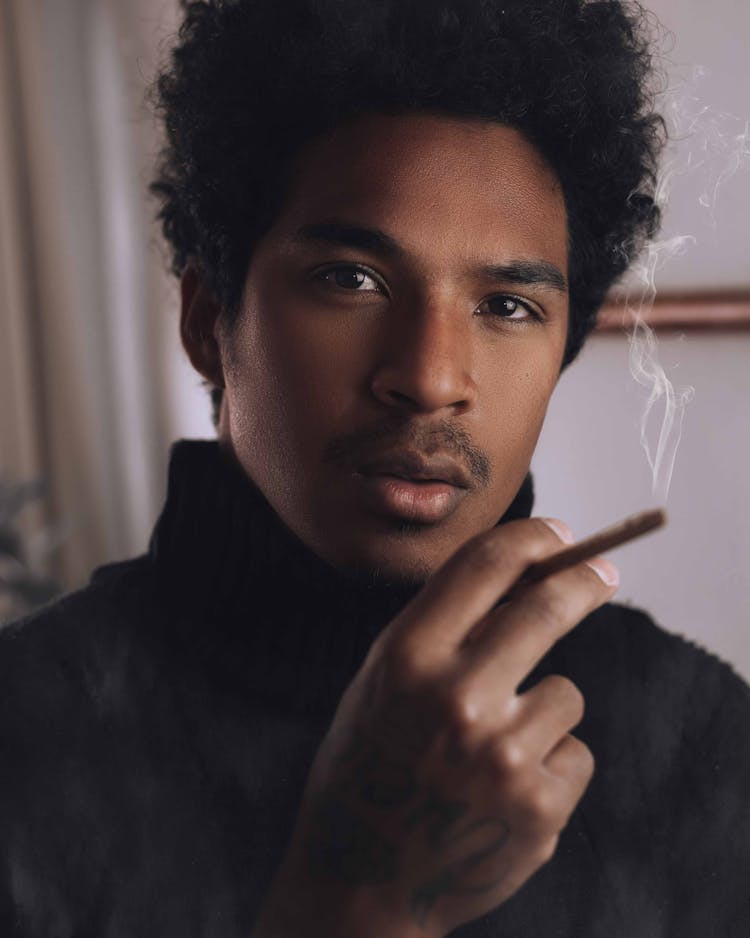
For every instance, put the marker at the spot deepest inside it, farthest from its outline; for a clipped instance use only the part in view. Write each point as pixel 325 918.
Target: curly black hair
pixel 249 82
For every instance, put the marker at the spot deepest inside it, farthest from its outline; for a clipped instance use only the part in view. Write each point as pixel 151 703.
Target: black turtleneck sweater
pixel 157 728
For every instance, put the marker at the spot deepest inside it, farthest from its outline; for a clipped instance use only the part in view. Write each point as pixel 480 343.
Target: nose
pixel 426 360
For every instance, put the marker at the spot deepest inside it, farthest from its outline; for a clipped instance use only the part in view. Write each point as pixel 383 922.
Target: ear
pixel 199 315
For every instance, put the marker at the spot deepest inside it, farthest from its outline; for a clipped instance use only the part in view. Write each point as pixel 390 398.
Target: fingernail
pixel 560 528
pixel 606 571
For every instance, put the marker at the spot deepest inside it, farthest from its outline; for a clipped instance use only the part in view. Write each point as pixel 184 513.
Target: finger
pixel 572 762
pixel 471 581
pixel 512 640
pixel 544 713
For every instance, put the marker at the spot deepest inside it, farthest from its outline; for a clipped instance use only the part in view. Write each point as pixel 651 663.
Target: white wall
pixel 694 575
pixel 708 109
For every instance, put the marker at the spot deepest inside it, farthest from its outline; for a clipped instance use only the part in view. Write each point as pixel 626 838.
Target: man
pixel 309 709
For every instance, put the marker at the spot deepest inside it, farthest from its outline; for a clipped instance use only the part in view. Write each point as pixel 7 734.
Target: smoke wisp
pixel 710 147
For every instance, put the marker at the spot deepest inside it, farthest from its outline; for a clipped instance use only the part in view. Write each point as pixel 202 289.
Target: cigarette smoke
pixel 712 146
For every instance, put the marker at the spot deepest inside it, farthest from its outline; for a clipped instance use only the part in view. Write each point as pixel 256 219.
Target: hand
pixel 439 789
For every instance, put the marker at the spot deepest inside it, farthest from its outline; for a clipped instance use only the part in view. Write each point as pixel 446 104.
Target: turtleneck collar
pixel 259 609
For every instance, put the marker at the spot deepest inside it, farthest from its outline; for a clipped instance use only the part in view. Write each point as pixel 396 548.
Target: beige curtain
pixel 88 331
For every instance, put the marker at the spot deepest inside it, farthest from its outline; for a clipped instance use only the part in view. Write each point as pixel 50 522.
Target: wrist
pixel 325 909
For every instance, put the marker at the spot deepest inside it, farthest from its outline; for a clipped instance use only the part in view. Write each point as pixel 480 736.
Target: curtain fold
pixel 88 355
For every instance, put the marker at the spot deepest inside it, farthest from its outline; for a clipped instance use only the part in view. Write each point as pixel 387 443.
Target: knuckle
pixel 458 709
pixel 566 692
pixel 549 605
pixel 580 763
pixel 539 808
pixel 546 849
pixel 584 758
pixel 508 544
pixel 508 757
pixel 485 552
pixel 400 664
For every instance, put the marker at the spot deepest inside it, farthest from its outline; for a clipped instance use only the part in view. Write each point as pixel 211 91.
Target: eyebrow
pixel 525 273
pixel 521 272
pixel 368 239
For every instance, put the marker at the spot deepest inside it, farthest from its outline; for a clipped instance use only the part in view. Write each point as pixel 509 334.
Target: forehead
pixel 431 179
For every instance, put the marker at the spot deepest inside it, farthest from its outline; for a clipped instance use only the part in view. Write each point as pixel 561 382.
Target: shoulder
pixel 623 643
pixel 72 680
pixel 85 615
pixel 659 707
pixel 674 767
pixel 73 653
pixel 663 712
pixel 79 680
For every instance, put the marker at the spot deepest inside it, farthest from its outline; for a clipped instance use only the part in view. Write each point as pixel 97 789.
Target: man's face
pixel 373 320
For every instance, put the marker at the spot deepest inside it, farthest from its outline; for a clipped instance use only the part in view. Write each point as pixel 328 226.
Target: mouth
pixel 426 501
pixel 413 467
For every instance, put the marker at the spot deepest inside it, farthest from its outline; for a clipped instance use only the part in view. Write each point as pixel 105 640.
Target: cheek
pixel 286 369
pixel 316 367
pixel 519 399
pixel 255 374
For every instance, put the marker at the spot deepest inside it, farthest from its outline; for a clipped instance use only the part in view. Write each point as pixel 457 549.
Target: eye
pixel 511 308
pixel 350 277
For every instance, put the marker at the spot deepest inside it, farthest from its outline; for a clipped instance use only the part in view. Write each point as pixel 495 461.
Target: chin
pixel 386 577
pixel 403 565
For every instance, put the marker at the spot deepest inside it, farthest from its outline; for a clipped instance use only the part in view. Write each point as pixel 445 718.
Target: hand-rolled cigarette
pixel 614 536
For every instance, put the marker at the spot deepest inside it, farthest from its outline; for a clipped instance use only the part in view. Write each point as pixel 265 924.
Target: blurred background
pixel 94 386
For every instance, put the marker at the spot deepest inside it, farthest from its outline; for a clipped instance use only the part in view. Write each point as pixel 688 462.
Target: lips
pixel 417 468
pixel 421 501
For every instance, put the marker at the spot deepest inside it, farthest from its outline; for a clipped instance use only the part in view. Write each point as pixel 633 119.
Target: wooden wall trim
pixel 689 311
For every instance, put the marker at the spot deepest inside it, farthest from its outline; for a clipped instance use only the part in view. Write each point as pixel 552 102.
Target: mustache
pixel 444 438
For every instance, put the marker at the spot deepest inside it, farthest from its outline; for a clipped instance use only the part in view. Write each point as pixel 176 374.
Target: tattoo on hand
pixel 451 880
pixel 346 846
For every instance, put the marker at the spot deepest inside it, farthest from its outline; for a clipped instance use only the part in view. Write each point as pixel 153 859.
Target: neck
pixel 250 599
